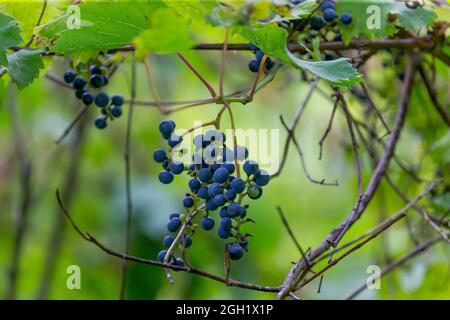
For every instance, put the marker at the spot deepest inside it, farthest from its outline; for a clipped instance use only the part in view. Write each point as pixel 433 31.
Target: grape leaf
pixel 9 36
pixel 370 18
pixel 272 40
pixel 104 26
pixel 192 9
pixel 168 33
pixel 23 66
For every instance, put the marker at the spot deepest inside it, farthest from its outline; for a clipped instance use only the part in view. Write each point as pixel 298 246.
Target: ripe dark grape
pixel 69 76
pixel 230 195
pixel 207 223
pixel 238 185
pixel 215 189
pixel 211 205
pixel 230 167
pixel 234 210
pixel 79 93
pixel 102 100
pixel 188 202
pixel 203 193
pixel 167 241
pixel 87 98
pixel 236 251
pixel 174 140
pixel 187 242
pixel 166 128
pixel 253 66
pixel 174 215
pixel 97 81
pixel 223 212
pixel 262 178
pixel 346 18
pixel 329 14
pixel 165 177
pixel 194 184
pixel 224 233
pixel 176 167
pixel 100 122
pixel 94 69
pixel 204 175
pixel 219 200
pixel 78 82
pixel 174 224
pixel 117 99
pixel 159 155
pixel 162 255
pixel 316 22
pixel 116 111
pixel 179 262
pixel 327 5
pixel 250 167
pixel 221 175
pixel 226 223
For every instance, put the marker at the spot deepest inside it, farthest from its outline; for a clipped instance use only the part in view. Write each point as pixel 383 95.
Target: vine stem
pixel 338 232
pixel 129 200
pixel 199 76
pixel 152 86
pixel 223 62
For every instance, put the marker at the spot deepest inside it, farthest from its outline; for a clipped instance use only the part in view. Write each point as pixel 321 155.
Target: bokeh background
pixel 88 168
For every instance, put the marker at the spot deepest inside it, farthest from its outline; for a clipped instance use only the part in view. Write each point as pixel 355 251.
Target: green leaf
pixel 24 66
pixel 272 40
pixel 104 26
pixel 370 18
pixel 192 9
pixel 9 36
pixel 168 33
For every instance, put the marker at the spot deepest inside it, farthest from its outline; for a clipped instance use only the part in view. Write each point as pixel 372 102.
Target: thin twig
pixel 328 129
pixel 289 230
pixel 126 155
pixel 41 15
pixel 152 86
pixel 198 75
pixel 80 114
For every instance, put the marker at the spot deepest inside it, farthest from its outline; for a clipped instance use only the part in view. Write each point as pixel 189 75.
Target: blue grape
pixel 116 111
pixel 219 200
pixel 78 82
pixel 327 5
pixel 159 155
pixel 234 210
pixel 329 14
pixel 179 262
pixel 166 128
pixel 100 122
pixel 226 223
pixel 221 175
pixel 259 55
pixel 253 66
pixel 101 100
pixel 174 215
pixel 252 47
pixel 211 205
pixel 194 184
pixel 224 233
pixel 174 224
pixel 230 195
pixel 203 192
pixel 168 240
pixel 207 223
pixel 117 99
pixel 250 167
pixel 87 98
pixel 79 93
pixel 223 212
pixel 174 140
pixel 162 255
pixel 187 241
pixel 229 166
pixel 236 251
pixel 176 167
pixel 69 76
pixel 188 202
pixel 166 165
pixel 204 175
pixel 316 22
pixel 262 178
pixel 238 185
pixel 215 189
pixel 97 81
pixel 94 69
pixel 346 18
pixel 165 177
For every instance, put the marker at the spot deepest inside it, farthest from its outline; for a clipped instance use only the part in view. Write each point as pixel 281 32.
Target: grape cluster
pixel 329 16
pixel 259 54
pixel 88 92
pixel 213 186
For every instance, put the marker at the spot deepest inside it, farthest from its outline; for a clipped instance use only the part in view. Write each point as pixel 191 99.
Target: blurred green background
pixel 92 185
